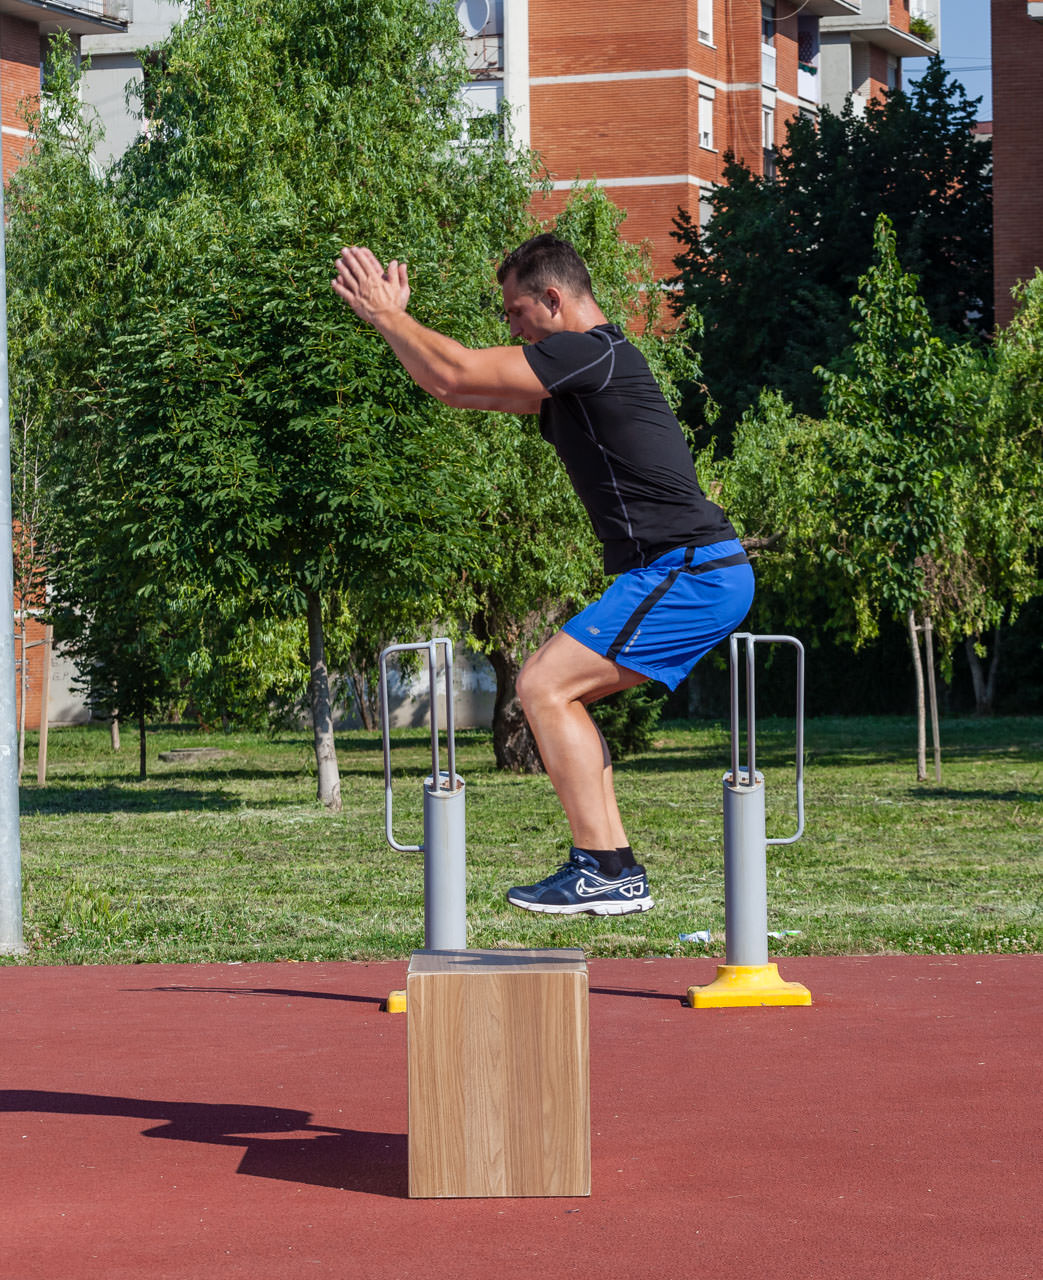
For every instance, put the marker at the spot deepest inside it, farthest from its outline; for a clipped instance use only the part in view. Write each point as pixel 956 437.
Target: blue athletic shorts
pixel 660 620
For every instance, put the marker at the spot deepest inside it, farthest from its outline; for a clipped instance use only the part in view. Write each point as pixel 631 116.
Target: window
pixel 706 96
pixel 768 140
pixel 481 120
pixel 768 43
pixel 705 208
pixel 706 21
pixel 807 58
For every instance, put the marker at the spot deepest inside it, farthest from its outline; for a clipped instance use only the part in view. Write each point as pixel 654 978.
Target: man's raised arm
pixel 497 378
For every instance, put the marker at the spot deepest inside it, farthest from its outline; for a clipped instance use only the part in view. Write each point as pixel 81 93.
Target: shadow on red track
pixel 347 1159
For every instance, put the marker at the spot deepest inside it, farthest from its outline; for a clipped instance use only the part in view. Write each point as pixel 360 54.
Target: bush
pixel 628 719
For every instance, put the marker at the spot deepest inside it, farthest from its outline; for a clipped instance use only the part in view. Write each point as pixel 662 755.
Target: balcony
pixel 830 8
pixel 807 82
pixel 482 34
pixel 79 17
pixel 871 23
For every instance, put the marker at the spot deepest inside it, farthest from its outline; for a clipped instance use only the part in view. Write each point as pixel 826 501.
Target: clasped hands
pixel 369 289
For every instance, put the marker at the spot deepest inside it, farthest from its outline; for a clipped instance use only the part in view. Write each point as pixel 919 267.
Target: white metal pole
pixel 10 840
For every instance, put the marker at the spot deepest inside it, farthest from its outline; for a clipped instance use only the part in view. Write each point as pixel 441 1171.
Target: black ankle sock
pixel 626 857
pixel 609 861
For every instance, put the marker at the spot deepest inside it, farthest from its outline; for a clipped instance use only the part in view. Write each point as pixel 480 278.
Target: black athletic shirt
pixel 622 447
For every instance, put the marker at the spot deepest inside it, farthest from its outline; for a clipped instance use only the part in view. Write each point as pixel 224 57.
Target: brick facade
pixel 619 93
pixel 1017 149
pixel 615 96
pixel 20 80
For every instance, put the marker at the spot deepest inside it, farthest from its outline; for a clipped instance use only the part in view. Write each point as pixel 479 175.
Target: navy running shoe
pixel 578 886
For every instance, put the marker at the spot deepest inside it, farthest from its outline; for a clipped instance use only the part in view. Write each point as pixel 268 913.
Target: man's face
pixel 530 317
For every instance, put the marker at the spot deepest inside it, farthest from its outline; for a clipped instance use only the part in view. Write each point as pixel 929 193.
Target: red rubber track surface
pixel 250 1121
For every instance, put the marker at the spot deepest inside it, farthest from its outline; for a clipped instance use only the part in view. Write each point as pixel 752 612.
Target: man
pixel 684 581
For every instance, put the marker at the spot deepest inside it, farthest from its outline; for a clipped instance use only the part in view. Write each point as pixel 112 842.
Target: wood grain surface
pixel 499 1077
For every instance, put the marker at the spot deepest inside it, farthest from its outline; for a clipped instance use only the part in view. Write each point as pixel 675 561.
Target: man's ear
pixel 553 297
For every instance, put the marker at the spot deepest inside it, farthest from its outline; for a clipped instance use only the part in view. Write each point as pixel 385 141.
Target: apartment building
pixel 1017 146
pixel 115 66
pixel 25 26
pixel 646 99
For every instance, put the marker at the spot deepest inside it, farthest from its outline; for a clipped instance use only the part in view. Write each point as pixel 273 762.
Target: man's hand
pixel 483 378
pixel 369 290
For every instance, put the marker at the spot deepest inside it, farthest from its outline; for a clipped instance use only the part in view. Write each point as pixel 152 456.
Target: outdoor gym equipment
pixel 746 977
pixel 444 845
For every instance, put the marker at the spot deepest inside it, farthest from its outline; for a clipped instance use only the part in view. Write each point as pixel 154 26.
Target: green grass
pixel 233 859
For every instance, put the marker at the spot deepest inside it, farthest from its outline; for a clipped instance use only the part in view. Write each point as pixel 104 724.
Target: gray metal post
pixel 747 978
pixel 745 836
pixel 745 873
pixel 444 845
pixel 10 840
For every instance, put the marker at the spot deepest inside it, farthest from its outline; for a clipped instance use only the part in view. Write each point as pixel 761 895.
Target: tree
pixel 1012 445
pixel 774 269
pixel 238 429
pixel 68 270
pixel 919 521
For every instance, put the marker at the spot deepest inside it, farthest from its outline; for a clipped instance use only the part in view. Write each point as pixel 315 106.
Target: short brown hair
pixel 544 261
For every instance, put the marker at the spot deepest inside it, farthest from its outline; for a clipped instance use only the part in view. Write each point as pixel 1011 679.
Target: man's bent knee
pixel 534 683
pixel 563 670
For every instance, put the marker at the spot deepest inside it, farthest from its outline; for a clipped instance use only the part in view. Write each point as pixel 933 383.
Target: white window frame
pixel 707 96
pixel 705 21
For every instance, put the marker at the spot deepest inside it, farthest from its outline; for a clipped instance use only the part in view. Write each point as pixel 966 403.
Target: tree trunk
pixel 921 719
pixel 142 751
pixel 513 744
pixel 994 667
pixel 322 710
pixel 363 702
pixel 511 640
pixel 114 731
pixel 45 707
pixel 932 691
pixel 984 685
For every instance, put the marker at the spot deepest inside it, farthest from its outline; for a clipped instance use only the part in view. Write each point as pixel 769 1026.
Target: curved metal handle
pixel 432 664
pixel 737 779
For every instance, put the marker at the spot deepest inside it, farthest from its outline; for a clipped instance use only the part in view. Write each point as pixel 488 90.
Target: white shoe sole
pixel 578 909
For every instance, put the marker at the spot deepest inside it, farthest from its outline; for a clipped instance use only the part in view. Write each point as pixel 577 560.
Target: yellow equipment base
pixel 741 985
pixel 396 1002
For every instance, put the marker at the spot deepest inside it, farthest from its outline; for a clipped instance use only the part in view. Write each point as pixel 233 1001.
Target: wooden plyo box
pixel 499 1073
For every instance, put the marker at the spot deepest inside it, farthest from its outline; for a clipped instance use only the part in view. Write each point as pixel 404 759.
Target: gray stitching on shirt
pixel 610 354
pixel 611 474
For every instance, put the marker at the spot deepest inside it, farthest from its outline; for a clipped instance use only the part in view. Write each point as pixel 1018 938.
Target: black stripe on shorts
pixel 653 597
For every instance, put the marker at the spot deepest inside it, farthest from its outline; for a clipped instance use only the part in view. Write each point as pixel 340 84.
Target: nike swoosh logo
pixel 630 888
